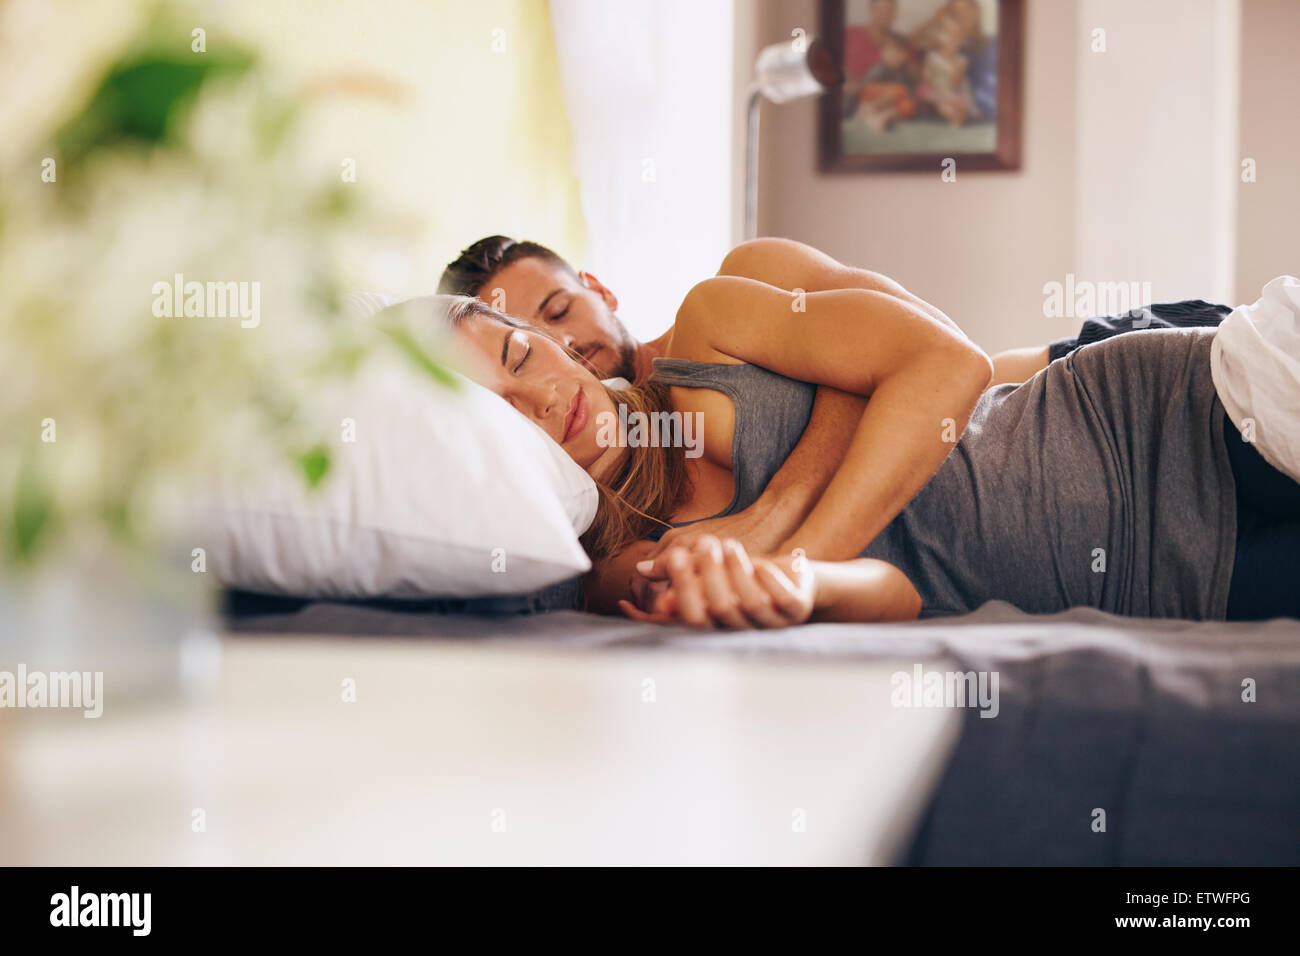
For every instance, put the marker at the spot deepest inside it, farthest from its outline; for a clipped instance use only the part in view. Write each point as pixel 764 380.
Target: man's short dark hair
pixel 469 272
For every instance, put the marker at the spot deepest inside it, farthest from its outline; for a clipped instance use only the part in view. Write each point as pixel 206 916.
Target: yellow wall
pixel 479 142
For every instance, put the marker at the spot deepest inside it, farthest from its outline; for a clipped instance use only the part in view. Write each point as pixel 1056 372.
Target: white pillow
pixel 442 494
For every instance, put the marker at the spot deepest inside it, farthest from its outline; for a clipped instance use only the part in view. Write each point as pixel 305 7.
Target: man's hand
pixel 717 584
pixel 758 528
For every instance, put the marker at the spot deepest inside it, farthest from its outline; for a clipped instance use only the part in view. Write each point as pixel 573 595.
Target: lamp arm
pixel 751 163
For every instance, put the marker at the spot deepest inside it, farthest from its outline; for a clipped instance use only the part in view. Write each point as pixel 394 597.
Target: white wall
pixel 980 248
pixel 1131 168
pixel 1156 183
pixel 1269 208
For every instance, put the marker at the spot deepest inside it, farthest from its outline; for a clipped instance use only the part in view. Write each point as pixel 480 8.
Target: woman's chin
pixel 602 465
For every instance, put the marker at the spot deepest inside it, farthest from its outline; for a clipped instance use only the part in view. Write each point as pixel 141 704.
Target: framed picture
pixel 923 80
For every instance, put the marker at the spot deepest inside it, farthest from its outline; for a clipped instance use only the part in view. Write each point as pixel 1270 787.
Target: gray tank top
pixel 1104 481
pixel 771 413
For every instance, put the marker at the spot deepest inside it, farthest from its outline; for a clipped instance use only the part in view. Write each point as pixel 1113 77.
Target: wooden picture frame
pixel 848 138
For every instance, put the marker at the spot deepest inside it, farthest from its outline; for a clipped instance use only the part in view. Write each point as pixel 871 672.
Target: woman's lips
pixel 577 416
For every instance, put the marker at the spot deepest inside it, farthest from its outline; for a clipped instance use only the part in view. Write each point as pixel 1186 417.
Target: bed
pixel 1186 734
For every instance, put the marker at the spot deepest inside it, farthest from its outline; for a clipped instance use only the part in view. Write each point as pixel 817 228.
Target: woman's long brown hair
pixel 646 488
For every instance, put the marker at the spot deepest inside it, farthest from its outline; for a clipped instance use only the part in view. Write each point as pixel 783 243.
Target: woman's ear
pixel 595 285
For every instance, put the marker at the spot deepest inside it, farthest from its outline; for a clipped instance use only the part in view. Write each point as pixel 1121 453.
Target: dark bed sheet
pixel 1142 719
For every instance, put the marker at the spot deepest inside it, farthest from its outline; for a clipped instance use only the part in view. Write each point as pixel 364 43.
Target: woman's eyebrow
pixel 505 345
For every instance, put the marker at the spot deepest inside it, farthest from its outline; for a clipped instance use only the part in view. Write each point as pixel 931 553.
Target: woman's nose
pixel 536 400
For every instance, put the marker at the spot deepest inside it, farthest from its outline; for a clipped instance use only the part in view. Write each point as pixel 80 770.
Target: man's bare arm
pixel 797 486
pixel 1019 365
pixel 923 380
pixel 793 266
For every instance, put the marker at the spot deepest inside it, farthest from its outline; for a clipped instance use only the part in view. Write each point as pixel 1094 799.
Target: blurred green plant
pixel 175 163
pixel 145 98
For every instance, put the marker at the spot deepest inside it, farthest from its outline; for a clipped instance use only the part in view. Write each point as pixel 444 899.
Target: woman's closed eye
pixel 520 354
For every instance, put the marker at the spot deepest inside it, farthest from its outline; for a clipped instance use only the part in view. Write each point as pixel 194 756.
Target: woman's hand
pixel 717 584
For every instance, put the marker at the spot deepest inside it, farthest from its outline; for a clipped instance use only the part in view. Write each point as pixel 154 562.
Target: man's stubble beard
pixel 626 361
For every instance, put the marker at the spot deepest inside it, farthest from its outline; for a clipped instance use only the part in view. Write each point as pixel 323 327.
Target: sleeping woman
pixel 1112 479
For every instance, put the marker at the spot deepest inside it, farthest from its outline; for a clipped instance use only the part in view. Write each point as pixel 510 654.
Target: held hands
pixel 716 584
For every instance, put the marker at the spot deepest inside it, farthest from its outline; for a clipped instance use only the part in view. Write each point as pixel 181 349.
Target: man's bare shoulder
pixel 692 334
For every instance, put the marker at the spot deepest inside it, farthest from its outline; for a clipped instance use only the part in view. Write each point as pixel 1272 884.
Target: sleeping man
pixel 1116 479
pixel 531 282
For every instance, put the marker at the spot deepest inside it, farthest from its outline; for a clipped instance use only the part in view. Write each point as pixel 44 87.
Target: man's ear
pixel 595 285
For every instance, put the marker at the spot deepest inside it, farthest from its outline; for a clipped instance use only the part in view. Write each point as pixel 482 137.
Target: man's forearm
pixel 1019 365
pixel 795 488
pixel 906 432
pixel 799 490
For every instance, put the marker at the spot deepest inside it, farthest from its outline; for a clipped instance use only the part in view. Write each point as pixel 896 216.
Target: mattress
pixel 1117 741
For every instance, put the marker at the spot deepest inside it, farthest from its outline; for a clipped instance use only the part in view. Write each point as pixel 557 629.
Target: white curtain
pixel 648 91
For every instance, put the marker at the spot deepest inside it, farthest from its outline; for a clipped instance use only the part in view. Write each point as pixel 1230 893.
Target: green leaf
pixel 144 98
pixel 335 202
pixel 33 513
pixel 417 354
pixel 273 119
pixel 315 464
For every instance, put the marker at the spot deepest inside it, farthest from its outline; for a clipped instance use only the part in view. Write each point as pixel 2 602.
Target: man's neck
pixel 646 352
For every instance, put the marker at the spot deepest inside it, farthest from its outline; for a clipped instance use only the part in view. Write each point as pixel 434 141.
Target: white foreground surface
pixel 463 754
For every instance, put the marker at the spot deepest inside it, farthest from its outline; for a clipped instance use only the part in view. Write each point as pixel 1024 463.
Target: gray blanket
pixel 1144 719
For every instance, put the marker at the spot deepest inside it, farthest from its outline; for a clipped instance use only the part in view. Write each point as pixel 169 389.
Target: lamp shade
pixel 794 69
